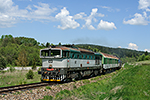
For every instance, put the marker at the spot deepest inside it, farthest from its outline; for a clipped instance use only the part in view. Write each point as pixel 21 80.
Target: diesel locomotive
pixel 62 63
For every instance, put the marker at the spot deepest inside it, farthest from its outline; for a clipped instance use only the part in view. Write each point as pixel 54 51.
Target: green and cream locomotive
pixel 61 63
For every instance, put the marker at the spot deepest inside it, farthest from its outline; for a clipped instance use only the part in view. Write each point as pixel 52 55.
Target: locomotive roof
pixel 109 56
pixel 72 49
pixel 80 50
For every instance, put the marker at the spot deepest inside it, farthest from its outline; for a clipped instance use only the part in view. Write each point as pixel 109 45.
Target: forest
pixel 23 51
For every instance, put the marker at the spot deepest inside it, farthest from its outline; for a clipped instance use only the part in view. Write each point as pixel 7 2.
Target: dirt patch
pixel 115 89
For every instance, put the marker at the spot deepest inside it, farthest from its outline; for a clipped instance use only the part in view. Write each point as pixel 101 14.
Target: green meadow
pixel 17 77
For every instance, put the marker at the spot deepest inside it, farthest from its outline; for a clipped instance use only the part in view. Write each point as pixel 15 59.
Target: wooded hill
pixel 23 51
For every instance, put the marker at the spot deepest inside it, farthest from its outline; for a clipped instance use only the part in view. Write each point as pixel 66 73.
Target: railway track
pixel 23 87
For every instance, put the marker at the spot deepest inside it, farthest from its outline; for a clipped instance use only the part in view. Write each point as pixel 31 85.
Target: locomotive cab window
pixel 45 53
pixel 55 53
pixel 65 54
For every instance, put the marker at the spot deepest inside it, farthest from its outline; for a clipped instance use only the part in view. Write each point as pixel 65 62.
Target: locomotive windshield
pixel 50 53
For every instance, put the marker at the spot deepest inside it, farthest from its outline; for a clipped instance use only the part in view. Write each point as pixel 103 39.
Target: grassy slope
pixel 16 78
pixel 130 83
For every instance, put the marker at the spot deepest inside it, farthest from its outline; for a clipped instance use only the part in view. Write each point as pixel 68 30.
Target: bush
pixel 30 74
pixel 11 69
pixel 2 63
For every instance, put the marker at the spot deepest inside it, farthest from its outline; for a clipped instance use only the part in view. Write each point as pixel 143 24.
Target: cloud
pixel 103 25
pixel 88 20
pixel 81 15
pixel 10 13
pixel 144 4
pixel 148 50
pixel 67 21
pixel 119 46
pixel 137 20
pixel 140 19
pixel 40 12
pixel 110 9
pixel 132 46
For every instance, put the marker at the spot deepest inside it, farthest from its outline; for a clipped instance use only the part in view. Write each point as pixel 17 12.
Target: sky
pixel 110 23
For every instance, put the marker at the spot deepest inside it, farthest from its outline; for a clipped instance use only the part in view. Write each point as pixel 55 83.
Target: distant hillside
pixel 120 52
pixel 126 55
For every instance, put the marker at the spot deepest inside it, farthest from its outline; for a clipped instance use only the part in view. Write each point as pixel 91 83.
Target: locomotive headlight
pixel 50 65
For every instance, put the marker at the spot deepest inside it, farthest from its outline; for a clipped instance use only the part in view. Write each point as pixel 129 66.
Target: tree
pixel 59 44
pixel 47 44
pixel 34 64
pixel 22 58
pixel 146 53
pixel 2 63
pixel 141 58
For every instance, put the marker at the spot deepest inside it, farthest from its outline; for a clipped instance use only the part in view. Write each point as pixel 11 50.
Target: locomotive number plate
pixel 50 61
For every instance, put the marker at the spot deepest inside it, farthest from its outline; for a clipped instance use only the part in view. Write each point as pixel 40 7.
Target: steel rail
pixel 24 86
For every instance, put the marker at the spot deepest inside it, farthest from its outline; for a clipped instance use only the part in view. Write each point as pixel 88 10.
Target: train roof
pixel 109 56
pixel 72 49
pixel 80 50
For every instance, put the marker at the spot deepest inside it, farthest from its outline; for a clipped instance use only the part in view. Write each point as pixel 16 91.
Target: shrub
pixel 48 87
pixel 2 63
pixel 11 69
pixel 30 74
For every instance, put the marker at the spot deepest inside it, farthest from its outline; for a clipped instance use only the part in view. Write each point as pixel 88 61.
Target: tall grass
pixel 16 77
pixel 130 83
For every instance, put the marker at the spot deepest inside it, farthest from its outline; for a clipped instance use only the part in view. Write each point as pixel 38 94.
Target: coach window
pixel 82 56
pixel 77 56
pixel 100 57
pixel 105 61
pixel 64 54
pixel 86 57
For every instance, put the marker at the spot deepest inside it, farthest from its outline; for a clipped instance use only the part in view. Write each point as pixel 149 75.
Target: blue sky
pixel 111 23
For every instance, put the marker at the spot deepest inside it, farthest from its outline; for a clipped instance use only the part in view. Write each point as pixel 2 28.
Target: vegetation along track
pixel 24 86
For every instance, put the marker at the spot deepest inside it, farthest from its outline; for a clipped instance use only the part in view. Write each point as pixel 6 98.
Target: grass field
pixel 8 78
pixel 129 83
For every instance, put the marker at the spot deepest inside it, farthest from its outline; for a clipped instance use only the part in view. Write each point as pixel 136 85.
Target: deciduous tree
pixel 22 58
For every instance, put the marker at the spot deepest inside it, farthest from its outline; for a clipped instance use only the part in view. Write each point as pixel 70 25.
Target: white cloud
pixel 81 15
pixel 43 9
pixel 137 20
pixel 42 12
pixel 140 19
pixel 92 17
pixel 66 20
pixel 144 4
pixel 103 25
pixel 110 9
pixel 119 46
pixel 10 13
pixel 132 46
pixel 148 50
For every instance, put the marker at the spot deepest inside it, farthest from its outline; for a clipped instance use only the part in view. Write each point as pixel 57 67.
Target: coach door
pixel 97 60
